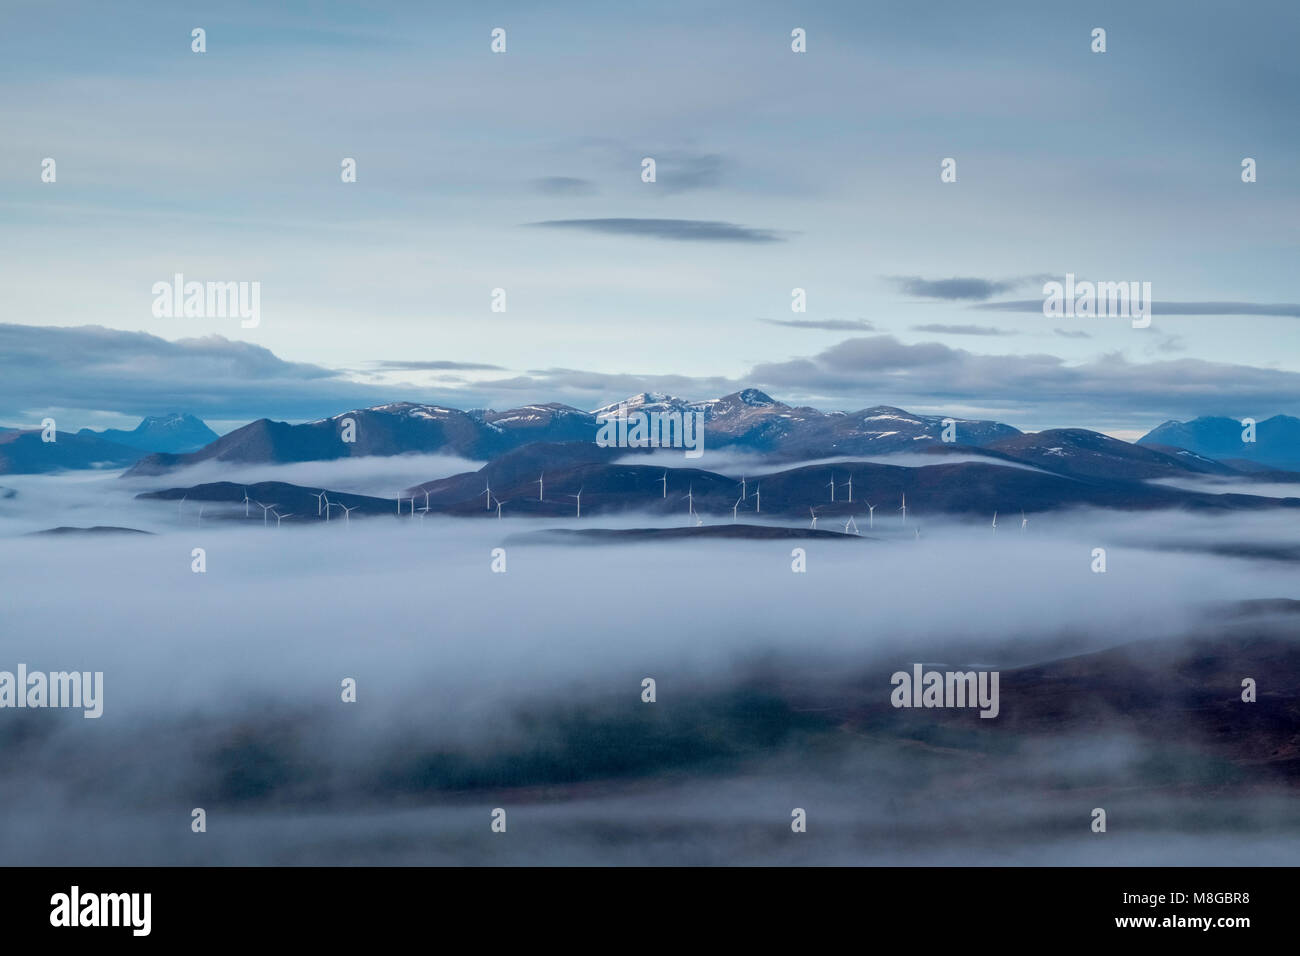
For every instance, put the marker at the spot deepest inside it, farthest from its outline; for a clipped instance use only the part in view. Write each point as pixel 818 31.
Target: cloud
pixel 564 186
pixel 1289 309
pixel 401 365
pixel 681 171
pixel 970 288
pixel 679 230
pixel 1105 391
pixel 962 329
pixel 831 325
pixel 92 368
pixel 1073 333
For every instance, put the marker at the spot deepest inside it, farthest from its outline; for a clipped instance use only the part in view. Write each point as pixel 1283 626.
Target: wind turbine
pixel 265 509
pixel 904 508
pixel 853 524
pixel 850 484
pixel 1024 522
pixel 742 487
pixel 734 507
pixel 487 490
pixel 758 499
pixel 426 499
pixel 832 484
pixel 247 500
pixel 499 504
pixel 813 512
pixel 319 498
pixel 279 517
pixel 399 506
pixel 995 521
pixel 689 498
pixel 347 513
pixel 578 496
pixel 871 515
pixel 664 479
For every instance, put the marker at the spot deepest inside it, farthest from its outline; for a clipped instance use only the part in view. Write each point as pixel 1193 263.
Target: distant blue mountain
pixel 175 434
pixel 1276 444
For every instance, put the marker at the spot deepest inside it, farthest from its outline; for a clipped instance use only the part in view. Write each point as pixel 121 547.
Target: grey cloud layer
pixel 679 230
pixel 1289 309
pixel 94 368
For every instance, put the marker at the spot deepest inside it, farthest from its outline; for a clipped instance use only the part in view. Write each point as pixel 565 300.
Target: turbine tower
pixel 904 508
pixel 664 479
pixel 850 484
pixel 742 487
pixel 832 484
pixel 758 499
pixel 279 517
pixel 871 515
pixel 734 507
pixel 689 498
pixel 499 504
pixel 541 485
pixel 487 490
pixel 347 513
pixel 320 497
pixel 578 496
pixel 813 512
pixel 265 509
pixel 246 501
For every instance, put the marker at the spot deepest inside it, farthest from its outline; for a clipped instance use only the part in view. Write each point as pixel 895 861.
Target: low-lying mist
pixel 522 689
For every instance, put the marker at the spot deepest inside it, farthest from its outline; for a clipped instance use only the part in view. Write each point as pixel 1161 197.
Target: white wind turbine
pixel 426 499
pixel 499 504
pixel 742 487
pixel 279 517
pixel 347 513
pixel 813 512
pixel 758 499
pixel 832 484
pixel 265 509
pixel 871 515
pixel 578 496
pixel 851 524
pixel 664 479
pixel 995 521
pixel 246 501
pixel 541 485
pixel 850 484
pixel 734 507
pixel 321 500
pixel 904 508
pixel 487 490
pixel 1024 522
pixel 689 498
pixel 399 505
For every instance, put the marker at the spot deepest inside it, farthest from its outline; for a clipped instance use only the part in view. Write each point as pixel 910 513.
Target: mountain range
pixel 1276 440
pixel 23 452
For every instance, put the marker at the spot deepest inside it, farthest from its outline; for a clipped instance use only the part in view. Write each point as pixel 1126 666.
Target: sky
pixel 775 170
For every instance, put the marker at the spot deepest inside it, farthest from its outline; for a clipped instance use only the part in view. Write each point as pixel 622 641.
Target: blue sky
pixel 822 169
